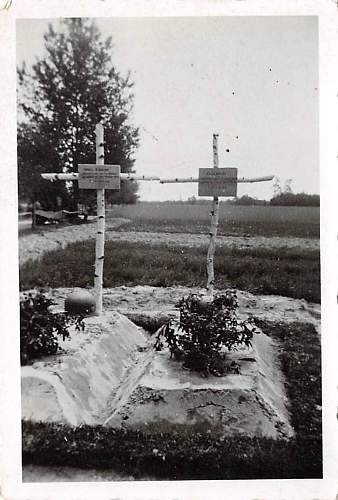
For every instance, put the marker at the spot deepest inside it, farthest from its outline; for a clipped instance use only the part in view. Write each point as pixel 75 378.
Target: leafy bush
pixel 39 327
pixel 206 329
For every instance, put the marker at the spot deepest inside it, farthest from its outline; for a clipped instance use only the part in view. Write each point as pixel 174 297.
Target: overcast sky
pixel 253 80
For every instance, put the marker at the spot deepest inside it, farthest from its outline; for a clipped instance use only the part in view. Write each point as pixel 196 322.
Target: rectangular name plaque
pixel 99 176
pixel 217 182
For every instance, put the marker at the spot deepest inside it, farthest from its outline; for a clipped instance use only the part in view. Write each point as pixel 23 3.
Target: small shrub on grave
pixel 206 331
pixel 40 328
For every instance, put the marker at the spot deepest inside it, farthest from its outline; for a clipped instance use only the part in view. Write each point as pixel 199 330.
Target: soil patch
pixel 33 245
pixel 158 304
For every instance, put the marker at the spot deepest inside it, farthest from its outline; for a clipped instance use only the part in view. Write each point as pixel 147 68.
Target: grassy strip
pixel 168 456
pixel 288 272
pixel 301 365
pixel 195 455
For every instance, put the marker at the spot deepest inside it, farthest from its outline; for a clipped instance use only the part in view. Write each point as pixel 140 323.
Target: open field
pixel 234 220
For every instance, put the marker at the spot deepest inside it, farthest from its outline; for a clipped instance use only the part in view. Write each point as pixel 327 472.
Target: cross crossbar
pixel 74 177
pixel 239 180
pixel 132 177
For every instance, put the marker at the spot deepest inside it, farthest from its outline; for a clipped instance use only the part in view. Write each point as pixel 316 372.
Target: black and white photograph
pixel 168 199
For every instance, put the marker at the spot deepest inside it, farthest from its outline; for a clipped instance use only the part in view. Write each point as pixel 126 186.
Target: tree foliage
pixel 296 200
pixel 247 200
pixel 285 196
pixel 61 98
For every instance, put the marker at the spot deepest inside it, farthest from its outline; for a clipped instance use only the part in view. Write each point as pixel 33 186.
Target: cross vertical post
pixel 99 246
pixel 213 227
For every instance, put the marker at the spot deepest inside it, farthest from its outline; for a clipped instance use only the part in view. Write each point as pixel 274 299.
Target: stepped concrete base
pixel 111 375
pixel 167 397
pixel 74 386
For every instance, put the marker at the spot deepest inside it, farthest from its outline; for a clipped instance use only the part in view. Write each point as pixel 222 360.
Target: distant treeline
pixel 296 199
pixel 248 201
pixel 282 199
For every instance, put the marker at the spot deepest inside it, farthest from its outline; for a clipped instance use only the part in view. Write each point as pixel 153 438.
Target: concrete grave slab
pixel 110 374
pixel 73 386
pixel 167 397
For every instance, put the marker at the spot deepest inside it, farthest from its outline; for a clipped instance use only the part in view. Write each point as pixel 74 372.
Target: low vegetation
pixel 196 455
pixel 206 331
pixel 40 328
pixel 290 272
pixel 300 361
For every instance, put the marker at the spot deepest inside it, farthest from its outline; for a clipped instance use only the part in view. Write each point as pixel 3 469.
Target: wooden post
pixel 213 228
pixel 99 247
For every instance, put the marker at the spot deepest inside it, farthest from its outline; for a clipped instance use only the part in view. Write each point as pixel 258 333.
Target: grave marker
pixel 99 176
pixel 213 182
pixel 217 182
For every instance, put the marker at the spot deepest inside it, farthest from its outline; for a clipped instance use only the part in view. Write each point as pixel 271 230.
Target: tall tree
pixel 66 93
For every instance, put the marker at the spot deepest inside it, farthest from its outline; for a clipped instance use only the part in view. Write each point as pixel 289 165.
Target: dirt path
pixel 33 245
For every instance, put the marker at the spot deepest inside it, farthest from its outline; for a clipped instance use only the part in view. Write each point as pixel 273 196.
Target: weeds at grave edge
pixel 196 455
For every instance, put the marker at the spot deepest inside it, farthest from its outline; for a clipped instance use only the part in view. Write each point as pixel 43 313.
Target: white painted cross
pixel 216 182
pixel 99 177
pixel 213 182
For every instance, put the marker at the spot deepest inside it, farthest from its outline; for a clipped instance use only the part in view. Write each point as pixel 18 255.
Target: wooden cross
pixel 100 177
pixel 213 182
pixel 216 182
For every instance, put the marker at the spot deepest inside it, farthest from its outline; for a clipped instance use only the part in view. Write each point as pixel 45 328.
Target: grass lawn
pixel 198 455
pixel 288 272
